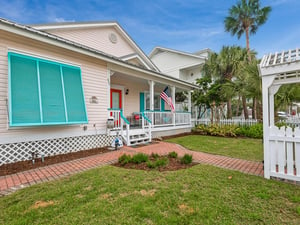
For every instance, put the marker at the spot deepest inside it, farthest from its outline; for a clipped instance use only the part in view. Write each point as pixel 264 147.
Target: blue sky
pixel 186 25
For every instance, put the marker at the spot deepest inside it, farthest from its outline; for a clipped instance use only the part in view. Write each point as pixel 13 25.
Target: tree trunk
pixel 238 107
pixel 229 109
pixel 247 44
pixel 254 108
pixel 245 107
pixel 259 111
pixel 212 108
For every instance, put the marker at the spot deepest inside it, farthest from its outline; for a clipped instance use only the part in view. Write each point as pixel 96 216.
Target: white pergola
pixel 281 146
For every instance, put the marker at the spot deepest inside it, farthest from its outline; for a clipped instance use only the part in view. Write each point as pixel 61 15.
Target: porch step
pixel 137 137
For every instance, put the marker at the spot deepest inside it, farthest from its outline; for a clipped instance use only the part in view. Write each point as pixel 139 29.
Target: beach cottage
pixel 74 86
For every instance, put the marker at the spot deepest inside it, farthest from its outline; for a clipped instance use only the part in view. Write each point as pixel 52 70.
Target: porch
pixel 137 112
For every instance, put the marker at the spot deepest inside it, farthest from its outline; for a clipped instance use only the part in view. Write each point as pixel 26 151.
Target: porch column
pixel 266 83
pixel 151 93
pixel 173 89
pixel 190 105
pixel 189 101
pixel 108 88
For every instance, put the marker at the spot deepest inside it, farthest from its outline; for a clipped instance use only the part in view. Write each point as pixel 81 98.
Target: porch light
pixel 127 91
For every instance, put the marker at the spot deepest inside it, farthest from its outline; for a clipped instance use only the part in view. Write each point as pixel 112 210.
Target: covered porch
pixel 137 112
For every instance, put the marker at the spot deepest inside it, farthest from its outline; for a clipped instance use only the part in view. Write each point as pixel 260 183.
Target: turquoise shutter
pixel 24 91
pixel 162 104
pixel 74 95
pixel 51 93
pixel 142 102
pixel 42 92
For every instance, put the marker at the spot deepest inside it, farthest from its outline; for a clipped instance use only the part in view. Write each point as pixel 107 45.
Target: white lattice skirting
pixel 21 151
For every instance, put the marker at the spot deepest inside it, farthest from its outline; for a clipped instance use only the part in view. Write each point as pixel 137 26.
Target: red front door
pixel 116 102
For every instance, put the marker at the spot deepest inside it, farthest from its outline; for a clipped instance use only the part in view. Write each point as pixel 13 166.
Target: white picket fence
pixel 240 122
pixel 284 152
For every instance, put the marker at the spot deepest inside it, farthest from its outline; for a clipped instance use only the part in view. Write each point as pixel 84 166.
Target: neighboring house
pixel 178 64
pixel 74 86
pixel 181 65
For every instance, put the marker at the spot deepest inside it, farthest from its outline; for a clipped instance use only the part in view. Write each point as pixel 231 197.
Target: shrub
pixel 254 131
pixel 124 159
pixel 150 164
pixel 186 159
pixel 161 162
pixel 158 163
pixel 154 155
pixel 139 158
pixel 173 155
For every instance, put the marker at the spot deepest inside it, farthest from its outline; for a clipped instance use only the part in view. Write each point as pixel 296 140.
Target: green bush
pixel 173 155
pixel 150 164
pixel 254 131
pixel 158 163
pixel 154 155
pixel 161 162
pixel 124 159
pixel 139 158
pixel 186 159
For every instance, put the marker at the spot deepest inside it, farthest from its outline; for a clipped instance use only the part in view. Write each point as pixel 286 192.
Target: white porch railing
pixel 240 122
pixel 118 123
pixel 284 152
pixel 119 120
pixel 161 119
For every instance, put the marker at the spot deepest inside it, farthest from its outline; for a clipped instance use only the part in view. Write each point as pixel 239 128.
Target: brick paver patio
pixel 11 183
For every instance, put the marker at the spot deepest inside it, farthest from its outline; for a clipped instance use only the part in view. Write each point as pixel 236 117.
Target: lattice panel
pixel 14 152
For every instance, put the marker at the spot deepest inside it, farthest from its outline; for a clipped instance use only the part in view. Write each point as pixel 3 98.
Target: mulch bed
pixel 12 168
pixel 174 164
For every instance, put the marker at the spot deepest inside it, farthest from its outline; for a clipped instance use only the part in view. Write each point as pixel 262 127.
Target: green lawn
pixel 199 195
pixel 242 148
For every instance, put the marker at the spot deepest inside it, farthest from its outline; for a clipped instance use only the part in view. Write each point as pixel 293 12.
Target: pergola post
pixel 272 91
pixel 266 83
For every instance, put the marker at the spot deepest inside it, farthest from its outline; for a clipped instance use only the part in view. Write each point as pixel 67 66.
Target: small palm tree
pixel 245 17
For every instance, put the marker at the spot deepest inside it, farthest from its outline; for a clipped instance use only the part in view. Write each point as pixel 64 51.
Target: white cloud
pixel 61 20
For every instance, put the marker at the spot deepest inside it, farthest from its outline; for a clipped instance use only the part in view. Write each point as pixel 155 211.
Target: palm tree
pixel 223 67
pixel 245 17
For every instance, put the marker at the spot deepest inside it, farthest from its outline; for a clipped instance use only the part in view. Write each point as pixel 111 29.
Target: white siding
pixel 94 77
pixel 171 63
pixel 97 38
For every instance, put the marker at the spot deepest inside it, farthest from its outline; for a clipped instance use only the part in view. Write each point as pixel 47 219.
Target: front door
pixel 116 103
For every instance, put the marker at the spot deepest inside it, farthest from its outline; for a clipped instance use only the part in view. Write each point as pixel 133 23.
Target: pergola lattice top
pixel 285 65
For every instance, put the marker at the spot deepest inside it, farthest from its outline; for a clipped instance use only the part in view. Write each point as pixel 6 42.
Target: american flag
pixel 167 98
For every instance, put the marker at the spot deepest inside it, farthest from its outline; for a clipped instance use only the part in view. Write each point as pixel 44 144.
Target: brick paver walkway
pixel 11 183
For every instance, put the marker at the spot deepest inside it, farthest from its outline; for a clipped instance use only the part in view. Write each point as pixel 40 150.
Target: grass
pixel 199 195
pixel 242 148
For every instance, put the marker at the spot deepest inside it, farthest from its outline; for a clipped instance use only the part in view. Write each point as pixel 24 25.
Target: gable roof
pixel 30 32
pixel 158 49
pixel 99 24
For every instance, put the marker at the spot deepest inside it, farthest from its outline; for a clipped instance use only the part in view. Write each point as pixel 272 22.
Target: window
pixel 44 92
pixel 156 101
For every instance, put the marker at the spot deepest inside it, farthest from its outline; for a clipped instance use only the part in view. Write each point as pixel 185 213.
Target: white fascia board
pixel 72 25
pixel 192 66
pixel 136 56
pixel 156 49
